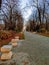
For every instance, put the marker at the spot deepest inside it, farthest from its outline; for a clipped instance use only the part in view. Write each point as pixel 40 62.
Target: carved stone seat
pixel 14 44
pixel 17 37
pixel 6 56
pixel 6 48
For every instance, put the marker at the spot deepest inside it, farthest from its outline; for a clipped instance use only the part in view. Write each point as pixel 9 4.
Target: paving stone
pixel 23 59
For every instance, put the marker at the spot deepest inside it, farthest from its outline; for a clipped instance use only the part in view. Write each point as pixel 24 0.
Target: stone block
pixel 6 48
pixel 17 37
pixel 14 40
pixel 14 44
pixel 6 56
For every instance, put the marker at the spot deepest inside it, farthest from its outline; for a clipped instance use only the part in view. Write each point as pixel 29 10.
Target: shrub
pixel 5 35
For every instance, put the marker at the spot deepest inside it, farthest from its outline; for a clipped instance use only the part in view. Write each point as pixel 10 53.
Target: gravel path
pixel 34 50
pixel 36 46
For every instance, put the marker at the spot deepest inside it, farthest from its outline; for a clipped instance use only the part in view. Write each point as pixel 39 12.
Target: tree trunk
pixel 0 3
pixel 39 13
pixel 46 24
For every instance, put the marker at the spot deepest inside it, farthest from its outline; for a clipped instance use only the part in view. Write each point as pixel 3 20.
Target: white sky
pixel 27 11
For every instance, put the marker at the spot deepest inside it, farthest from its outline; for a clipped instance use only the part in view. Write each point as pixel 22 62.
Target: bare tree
pixel 0 3
pixel 42 9
pixel 19 23
pixel 32 25
pixel 38 7
pixel 28 26
pixel 10 19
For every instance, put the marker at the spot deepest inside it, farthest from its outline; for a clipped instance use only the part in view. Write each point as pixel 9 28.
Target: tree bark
pixel 0 3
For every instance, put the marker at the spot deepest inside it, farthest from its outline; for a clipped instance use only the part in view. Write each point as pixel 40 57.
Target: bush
pixel 5 35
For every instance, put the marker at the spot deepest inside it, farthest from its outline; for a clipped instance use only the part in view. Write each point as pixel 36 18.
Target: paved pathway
pixel 36 46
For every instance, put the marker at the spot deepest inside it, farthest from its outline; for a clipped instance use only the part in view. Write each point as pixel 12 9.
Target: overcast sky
pixel 25 12
pixel 28 11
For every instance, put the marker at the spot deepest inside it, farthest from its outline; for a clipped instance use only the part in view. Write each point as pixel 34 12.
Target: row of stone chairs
pixel 6 50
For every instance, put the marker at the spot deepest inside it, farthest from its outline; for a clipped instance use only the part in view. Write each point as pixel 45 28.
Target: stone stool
pixel 6 48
